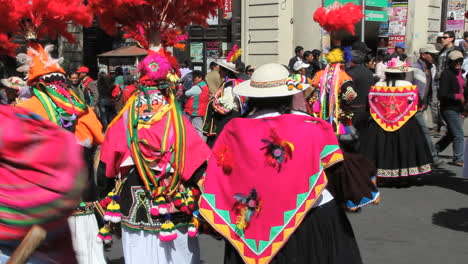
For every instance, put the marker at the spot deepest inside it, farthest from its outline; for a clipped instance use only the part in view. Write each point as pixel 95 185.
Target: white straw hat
pixel 227 65
pixel 14 82
pixel 395 65
pixel 269 80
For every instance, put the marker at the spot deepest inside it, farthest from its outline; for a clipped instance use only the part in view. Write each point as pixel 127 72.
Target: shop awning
pixel 130 51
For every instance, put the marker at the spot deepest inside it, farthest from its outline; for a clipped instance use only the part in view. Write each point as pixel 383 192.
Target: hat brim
pixel 226 66
pixel 399 71
pixel 430 51
pixel 244 89
pixel 8 84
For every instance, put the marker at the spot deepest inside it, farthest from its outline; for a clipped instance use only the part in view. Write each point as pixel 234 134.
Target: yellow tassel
pixel 196 222
pixel 335 56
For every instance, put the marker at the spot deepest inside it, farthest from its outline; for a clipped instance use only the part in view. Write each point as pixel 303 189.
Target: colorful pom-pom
pixel 168 231
pixel 104 235
pixel 192 230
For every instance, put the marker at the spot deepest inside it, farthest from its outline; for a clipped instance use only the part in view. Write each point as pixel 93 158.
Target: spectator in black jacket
pixel 363 80
pixel 299 53
pixel 452 95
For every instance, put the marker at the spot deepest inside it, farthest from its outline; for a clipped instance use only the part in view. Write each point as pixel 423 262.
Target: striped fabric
pixel 39 168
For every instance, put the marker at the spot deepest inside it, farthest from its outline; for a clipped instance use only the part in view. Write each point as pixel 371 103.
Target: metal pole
pixel 363 22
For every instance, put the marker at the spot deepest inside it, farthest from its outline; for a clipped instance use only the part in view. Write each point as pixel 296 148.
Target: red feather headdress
pixel 153 21
pixel 339 17
pixel 38 18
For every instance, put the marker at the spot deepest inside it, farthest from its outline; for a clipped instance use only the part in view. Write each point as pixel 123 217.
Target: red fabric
pixel 392 107
pixel 127 91
pixel 86 81
pixel 203 98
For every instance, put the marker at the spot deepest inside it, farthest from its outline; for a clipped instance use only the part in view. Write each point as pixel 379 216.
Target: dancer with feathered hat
pixel 151 149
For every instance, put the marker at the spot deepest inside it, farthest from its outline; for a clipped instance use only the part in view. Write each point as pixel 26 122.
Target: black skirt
pixel 401 153
pixel 324 237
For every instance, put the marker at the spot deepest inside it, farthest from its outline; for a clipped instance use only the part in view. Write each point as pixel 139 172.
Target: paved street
pixel 421 224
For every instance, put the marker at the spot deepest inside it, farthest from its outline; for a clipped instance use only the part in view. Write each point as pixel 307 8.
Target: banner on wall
pixel 196 52
pixel 227 12
pixel 397 19
pixel 456 17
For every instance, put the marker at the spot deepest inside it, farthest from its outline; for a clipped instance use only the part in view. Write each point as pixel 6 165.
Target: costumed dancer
pixel 394 140
pixel 41 182
pixel 260 195
pixel 151 149
pixel 331 101
pixel 225 105
pixel 53 100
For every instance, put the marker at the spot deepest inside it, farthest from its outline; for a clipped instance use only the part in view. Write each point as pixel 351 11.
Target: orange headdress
pixel 38 62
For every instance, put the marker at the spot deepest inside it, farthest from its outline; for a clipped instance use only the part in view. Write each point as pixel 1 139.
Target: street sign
pixel 377 16
pixel 377 3
pixel 329 2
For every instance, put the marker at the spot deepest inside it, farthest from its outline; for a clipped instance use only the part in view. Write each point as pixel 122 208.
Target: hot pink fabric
pixel 240 144
pixel 461 84
pixel 114 150
pixel 39 160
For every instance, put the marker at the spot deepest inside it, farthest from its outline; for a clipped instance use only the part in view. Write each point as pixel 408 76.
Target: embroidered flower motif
pixel 245 208
pixel 277 151
pixel 223 157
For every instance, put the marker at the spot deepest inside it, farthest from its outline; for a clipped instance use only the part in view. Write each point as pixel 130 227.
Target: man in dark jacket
pixel 299 52
pixel 452 95
pixel 424 73
pixel 363 80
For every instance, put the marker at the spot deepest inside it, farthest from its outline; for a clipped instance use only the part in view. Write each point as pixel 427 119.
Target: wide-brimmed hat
pixel 269 80
pixel 429 48
pixel 455 55
pixel 359 45
pixel 14 83
pixel 395 65
pixel 227 65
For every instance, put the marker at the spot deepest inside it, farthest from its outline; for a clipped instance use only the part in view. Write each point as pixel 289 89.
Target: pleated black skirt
pixel 401 153
pixel 324 237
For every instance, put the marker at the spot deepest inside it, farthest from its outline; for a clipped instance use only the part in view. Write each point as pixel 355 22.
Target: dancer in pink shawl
pixel 266 187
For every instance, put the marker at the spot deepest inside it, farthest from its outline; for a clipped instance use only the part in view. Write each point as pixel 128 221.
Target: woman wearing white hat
pixel 394 140
pixel 265 189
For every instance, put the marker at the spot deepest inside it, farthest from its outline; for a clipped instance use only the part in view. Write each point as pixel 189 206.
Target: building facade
pixel 271 29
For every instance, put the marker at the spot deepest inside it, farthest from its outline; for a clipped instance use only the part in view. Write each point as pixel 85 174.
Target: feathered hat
pixel 155 25
pixel 337 17
pixel 34 19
